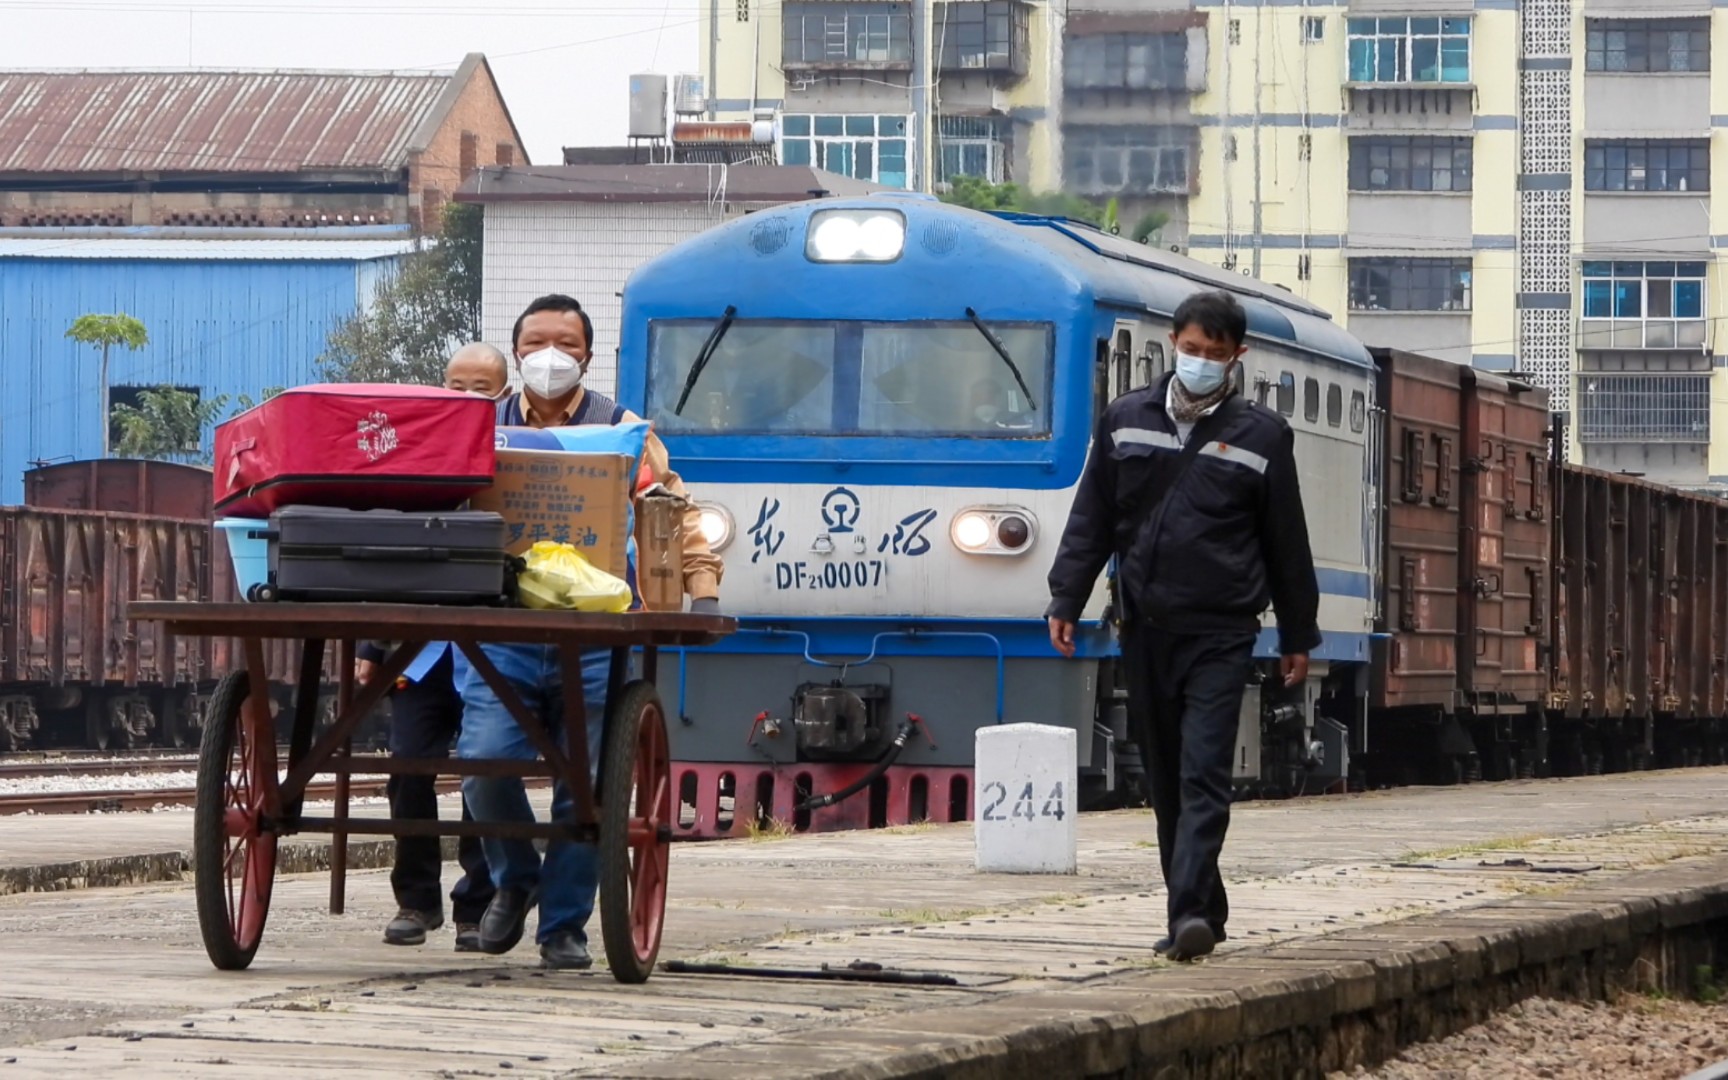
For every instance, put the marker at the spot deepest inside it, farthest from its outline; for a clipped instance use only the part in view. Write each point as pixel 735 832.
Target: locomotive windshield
pixel 782 377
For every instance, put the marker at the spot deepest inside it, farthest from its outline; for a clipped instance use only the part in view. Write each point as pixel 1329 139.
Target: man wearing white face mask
pixel 1194 491
pixel 552 341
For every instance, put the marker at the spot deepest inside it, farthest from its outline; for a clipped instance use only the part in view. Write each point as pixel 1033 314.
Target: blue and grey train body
pixel 884 405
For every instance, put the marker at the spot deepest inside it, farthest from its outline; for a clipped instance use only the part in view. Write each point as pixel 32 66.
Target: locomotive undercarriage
pixel 120 719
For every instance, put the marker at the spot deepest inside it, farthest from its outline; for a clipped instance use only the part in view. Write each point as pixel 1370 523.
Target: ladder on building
pixel 834 43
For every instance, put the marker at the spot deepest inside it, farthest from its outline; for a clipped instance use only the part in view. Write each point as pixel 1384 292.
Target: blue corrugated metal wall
pixel 229 327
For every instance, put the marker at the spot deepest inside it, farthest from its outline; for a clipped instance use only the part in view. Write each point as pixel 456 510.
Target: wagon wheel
pixel 233 857
pixel 635 831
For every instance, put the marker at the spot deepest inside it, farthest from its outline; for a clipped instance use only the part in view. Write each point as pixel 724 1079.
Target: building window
pixel 851 33
pixel 988 36
pixel 971 146
pixel 1235 31
pixel 1286 393
pixel 1644 408
pixel 1314 29
pixel 1647 45
pixel 1358 411
pixel 1647 165
pixel 1334 404
pixel 862 147
pixel 1409 50
pixel 131 398
pixel 1304 267
pixel 1410 163
pixel 1126 62
pixel 1126 160
pixel 1409 284
pixel 1311 400
pixel 1643 305
pixel 1305 147
pixel 1229 148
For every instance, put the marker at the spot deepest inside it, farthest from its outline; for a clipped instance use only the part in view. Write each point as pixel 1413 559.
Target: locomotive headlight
pixel 972 530
pixel 993 530
pixel 855 236
pixel 716 525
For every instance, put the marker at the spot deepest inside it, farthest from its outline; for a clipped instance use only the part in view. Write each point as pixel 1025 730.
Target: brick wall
pixel 477 122
pixel 587 250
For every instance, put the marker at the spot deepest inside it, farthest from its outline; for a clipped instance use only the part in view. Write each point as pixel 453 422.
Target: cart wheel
pixel 635 831
pixel 233 859
pixel 262 593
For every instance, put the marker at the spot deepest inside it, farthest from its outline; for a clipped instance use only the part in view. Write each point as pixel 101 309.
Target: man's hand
pixel 1062 636
pixel 363 671
pixel 706 605
pixel 1294 668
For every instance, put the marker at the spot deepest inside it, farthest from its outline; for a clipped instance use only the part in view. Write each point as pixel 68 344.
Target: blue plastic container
pixel 248 550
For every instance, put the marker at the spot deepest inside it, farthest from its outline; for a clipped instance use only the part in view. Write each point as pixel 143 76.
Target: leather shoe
pixel 1164 944
pixel 506 916
pixel 1193 939
pixel 409 927
pixel 563 951
pixel 467 937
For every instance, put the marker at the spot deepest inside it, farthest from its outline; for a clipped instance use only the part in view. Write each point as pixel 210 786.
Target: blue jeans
pixel 570 873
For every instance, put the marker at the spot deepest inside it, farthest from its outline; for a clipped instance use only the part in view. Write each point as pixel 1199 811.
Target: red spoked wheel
pixel 233 857
pixel 635 832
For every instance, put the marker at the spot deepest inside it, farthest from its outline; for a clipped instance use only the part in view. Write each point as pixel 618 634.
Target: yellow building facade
pixel 1523 187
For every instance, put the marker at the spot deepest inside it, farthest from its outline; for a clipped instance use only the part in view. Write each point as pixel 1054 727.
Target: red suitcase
pixel 357 446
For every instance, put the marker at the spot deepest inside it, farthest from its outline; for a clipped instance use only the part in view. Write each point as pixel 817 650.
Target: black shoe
pixel 1193 939
pixel 507 914
pixel 467 937
pixel 409 927
pixel 563 952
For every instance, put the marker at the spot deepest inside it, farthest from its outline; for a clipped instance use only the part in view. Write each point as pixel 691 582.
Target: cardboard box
pixel 577 499
pixel 660 551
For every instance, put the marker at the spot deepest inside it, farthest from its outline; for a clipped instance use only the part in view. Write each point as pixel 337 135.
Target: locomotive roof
pixel 1141 276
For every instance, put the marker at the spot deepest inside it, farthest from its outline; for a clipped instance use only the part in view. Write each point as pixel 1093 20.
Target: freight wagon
pixel 92 537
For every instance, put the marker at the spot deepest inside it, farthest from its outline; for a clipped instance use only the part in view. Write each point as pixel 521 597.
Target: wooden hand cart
pixel 245 803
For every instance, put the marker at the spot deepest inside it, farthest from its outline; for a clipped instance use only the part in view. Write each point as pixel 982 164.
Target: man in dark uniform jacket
pixel 1194 491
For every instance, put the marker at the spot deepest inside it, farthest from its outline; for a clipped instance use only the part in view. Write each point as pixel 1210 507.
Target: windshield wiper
pixel 1002 351
pixel 706 355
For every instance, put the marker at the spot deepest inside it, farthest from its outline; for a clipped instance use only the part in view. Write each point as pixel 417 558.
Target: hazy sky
pixel 563 65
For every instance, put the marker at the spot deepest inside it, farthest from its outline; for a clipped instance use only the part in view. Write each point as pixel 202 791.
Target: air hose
pixel 901 736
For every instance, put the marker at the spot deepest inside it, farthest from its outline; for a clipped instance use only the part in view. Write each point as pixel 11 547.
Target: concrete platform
pixel 1358 924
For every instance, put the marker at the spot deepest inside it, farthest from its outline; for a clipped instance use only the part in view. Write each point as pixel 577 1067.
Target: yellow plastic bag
pixel 559 578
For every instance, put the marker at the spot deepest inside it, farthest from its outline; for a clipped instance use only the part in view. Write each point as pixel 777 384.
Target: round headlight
pixel 716 526
pixel 836 238
pixel 972 531
pixel 1013 531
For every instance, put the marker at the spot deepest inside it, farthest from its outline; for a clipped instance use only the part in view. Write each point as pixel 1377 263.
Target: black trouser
pixel 425 718
pixel 1185 693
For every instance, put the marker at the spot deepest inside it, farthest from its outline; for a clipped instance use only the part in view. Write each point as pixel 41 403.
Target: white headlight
pixel 716 525
pixel 971 531
pixel 855 236
pixel 994 530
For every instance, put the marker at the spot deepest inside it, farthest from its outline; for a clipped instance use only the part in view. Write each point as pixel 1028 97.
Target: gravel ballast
pixel 1633 1038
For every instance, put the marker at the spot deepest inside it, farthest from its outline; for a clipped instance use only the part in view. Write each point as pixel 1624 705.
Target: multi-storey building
pixel 1521 185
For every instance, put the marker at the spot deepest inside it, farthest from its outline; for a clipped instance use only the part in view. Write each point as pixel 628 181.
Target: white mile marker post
pixel 1024 819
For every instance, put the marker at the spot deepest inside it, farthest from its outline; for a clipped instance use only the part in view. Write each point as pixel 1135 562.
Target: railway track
pixel 146 797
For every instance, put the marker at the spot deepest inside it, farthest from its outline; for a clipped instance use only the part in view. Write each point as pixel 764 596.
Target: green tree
pixel 1148 228
pixel 166 424
pixel 103 332
pixel 427 308
pixel 970 191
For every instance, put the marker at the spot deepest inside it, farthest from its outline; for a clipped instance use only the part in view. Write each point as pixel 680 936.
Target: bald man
pixel 425 716
pixel 478 368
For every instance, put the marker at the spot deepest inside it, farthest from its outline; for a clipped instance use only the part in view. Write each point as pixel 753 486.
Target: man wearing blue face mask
pixel 1194 490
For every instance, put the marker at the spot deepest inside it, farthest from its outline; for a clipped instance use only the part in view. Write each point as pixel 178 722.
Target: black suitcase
pixel 323 554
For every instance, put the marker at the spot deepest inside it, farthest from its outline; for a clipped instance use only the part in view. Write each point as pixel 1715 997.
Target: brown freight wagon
pixel 1640 624
pixel 1459 677
pixel 94 536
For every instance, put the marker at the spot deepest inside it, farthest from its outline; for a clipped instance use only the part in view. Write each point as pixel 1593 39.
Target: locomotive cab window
pixel 785 377
pixel 1334 404
pixel 1358 411
pixel 1311 400
pixel 1287 393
